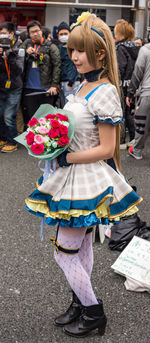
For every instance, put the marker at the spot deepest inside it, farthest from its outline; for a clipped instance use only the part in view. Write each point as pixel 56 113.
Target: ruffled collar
pixel 75 98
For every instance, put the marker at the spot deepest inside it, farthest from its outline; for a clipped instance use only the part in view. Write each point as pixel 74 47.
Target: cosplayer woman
pixel 87 188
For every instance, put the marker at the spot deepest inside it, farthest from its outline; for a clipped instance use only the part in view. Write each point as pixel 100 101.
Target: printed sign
pixel 134 261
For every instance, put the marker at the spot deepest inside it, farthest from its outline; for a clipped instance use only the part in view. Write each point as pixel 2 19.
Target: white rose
pixel 48 149
pixel 45 139
pixel 48 126
pixel 54 145
pixel 65 123
pixel 31 129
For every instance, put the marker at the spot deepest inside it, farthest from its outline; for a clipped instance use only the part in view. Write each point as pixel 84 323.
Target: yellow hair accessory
pixel 82 17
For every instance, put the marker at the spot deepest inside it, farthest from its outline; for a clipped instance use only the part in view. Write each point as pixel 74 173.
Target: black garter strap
pixel 62 249
pixel 89 230
pixel 65 250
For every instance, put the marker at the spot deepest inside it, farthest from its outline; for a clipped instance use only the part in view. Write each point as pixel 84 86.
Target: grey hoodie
pixel 141 73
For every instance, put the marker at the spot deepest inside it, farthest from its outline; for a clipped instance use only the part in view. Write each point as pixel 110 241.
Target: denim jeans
pixel 67 91
pixel 9 103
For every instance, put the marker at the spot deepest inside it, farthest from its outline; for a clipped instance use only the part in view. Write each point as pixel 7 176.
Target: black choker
pixel 93 75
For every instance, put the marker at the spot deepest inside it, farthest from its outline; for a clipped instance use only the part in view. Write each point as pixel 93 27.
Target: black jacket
pixel 49 63
pixel 127 53
pixel 15 61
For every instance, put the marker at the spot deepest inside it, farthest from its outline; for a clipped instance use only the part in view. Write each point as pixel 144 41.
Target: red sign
pixel 29 3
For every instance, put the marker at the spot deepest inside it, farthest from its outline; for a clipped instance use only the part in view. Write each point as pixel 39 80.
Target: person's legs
pixel 3 128
pixel 77 276
pixel 129 123
pixel 142 124
pixel 91 316
pixel 11 107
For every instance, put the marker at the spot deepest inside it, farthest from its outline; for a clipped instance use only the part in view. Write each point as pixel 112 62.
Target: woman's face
pixel 81 62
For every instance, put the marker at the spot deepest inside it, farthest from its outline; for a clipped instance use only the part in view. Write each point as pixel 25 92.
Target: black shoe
pixel 71 314
pixel 91 318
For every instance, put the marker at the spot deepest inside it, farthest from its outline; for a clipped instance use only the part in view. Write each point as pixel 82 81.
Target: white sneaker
pixel 131 152
pixel 131 143
pixel 123 146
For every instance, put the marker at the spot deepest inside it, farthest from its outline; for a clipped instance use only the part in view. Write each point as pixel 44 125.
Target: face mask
pixel 63 39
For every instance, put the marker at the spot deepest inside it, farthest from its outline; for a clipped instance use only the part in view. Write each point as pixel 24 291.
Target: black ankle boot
pixel 71 314
pixel 92 317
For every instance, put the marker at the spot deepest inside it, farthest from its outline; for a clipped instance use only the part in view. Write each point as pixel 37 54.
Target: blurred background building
pixel 51 13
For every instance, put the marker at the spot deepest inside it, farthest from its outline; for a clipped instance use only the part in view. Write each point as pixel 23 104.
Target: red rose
pixel 53 133
pixel 54 123
pixel 37 149
pixel 64 140
pixel 50 116
pixel 62 117
pixel 63 130
pixel 30 137
pixel 32 122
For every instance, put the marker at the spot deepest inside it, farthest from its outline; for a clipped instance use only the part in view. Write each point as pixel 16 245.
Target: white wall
pixel 112 14
pixel 55 15
pixel 142 3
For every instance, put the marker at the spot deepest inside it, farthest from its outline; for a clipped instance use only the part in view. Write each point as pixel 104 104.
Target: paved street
pixel 33 288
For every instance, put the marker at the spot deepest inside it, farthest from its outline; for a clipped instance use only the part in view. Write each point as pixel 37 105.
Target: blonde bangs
pixel 76 40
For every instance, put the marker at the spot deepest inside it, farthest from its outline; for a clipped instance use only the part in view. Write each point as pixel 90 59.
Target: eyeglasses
pixel 33 32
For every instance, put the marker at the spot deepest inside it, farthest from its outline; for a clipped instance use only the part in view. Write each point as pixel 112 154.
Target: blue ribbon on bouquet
pixel 49 168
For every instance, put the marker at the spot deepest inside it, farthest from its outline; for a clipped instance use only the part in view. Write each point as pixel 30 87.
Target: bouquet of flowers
pixel 49 132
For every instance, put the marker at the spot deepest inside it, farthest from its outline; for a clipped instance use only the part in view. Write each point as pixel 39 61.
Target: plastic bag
pixel 122 232
pixel 144 233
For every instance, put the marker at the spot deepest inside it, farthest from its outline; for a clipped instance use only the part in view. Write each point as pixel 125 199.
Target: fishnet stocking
pixel 77 276
pixel 86 254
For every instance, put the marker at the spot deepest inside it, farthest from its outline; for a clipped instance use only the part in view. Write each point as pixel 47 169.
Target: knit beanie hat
pixel 63 26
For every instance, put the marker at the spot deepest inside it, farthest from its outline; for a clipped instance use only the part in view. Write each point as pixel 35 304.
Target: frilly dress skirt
pixel 83 195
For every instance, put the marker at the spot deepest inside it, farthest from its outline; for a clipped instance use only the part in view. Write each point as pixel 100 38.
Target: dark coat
pixel 68 69
pixel 127 53
pixel 15 62
pixel 49 63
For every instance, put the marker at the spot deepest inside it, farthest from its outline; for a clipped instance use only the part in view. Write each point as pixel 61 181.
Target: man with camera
pixel 11 83
pixel 42 71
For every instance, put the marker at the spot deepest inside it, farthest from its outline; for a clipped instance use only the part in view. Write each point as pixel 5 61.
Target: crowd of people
pixel 35 69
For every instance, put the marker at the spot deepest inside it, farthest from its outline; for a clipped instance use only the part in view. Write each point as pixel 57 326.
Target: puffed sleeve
pixel 105 105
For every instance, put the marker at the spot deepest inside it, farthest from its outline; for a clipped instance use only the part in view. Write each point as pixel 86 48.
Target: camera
pixel 5 42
